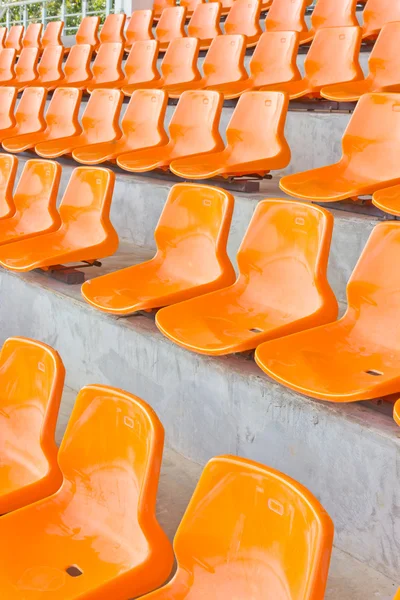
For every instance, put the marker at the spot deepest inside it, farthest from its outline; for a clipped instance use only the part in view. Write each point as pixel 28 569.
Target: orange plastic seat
pixel 244 19
pixel 61 121
pixel 170 26
pixel 8 172
pixel 29 116
pixel 159 5
pixel 112 31
pixel 139 28
pixel 378 12
pixel 14 38
pixel 26 72
pixel 226 5
pixel 52 35
pixel 222 66
pixel 191 257
pixel 250 147
pixel 193 130
pixel 107 67
pixel 388 200
pixel 85 233
pixel 99 124
pixel 287 15
pixel 384 69
pixel 7 65
pixel 142 127
pixel 283 258
pixel 191 5
pixel 88 32
pixel 98 535
pixel 244 513
pixel 32 36
pixel 34 202
pixel 50 68
pixel 340 13
pixel 370 146
pixel 3 35
pixel 396 416
pixel 141 67
pixel 332 58
pixel 32 380
pixel 179 66
pixel 205 23
pixel 77 72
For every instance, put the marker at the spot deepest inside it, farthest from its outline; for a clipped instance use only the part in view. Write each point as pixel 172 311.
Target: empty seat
pixel 107 67
pixel 332 58
pixel 99 124
pixel 244 19
pixel 77 71
pixel 396 416
pixel 88 32
pixel 98 535
pixel 32 380
pixel 141 67
pixel 85 233
pixel 159 5
pixel 170 26
pixel 142 127
pixel 29 116
pixel 3 35
pixel 32 36
pixel 388 200
pixel 52 35
pixel 287 15
pixel 112 31
pixel 61 120
pixel 8 171
pixel 205 23
pixel 193 129
pixel 384 69
pixel 7 65
pixel 223 64
pixel 378 12
pixel 226 5
pixel 26 68
pixel 14 38
pixel 139 28
pixel 191 5
pixel 255 141
pixel 50 67
pixel 34 200
pixel 349 360
pixel 191 257
pixel 282 285
pixel 370 146
pixel 340 13
pixel 243 513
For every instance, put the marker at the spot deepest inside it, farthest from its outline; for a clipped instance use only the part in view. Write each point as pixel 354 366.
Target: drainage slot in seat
pixel 74 571
pixel 374 373
pixel 256 330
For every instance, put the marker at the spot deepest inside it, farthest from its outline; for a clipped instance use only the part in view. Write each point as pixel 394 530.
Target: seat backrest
pixel 194 124
pixel 50 65
pixel 77 65
pixel 143 121
pixel 378 12
pixel 140 26
pixel 3 35
pixel 180 61
pixel 244 18
pixel 7 64
pixel 88 32
pixel 14 37
pixel 62 117
pixel 26 67
pixel 29 115
pixel 52 34
pixel 384 60
pixel 274 58
pixel 287 15
pixel 333 56
pixel 113 29
pixel 107 65
pixel 194 228
pixel 205 21
pixel 341 13
pixel 171 24
pixel 101 116
pixel 224 61
pixel 32 36
pixel 244 513
pixel 159 5
pixel 141 64
pixel 8 172
pixel 190 5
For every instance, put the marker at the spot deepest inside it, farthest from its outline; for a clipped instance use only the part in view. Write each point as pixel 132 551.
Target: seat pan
pixel 331 363
pixel 25 141
pixel 305 37
pixel 13 228
pixel 10 132
pixel 152 84
pixel 94 154
pixel 141 161
pixel 294 89
pixel 203 168
pixel 388 200
pixel 174 91
pixel 235 88
pixel 350 91
pixel 54 148
pixel 114 84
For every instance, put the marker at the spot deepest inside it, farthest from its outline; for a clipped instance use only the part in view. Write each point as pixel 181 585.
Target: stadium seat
pixel 32 36
pixel 283 257
pixel 347 360
pixel 179 66
pixel 141 67
pixel 340 13
pixel 191 257
pixel 170 26
pixel 112 31
pixel 332 58
pixel 8 172
pixel 250 149
pixel 159 5
pixel 99 124
pixel 88 32
pixel 34 201
pixel 226 5
pixel 396 416
pixel 190 5
pixel 244 19
pixel 370 146
pixel 29 116
pixel 205 23
pixel 107 67
pixel 139 28
pixel 223 65
pixel 384 69
pixel 98 535
pixel 85 233
pixel 193 129
pixel 7 65
pixel 244 513
pixel 77 72
pixel 378 12
pixel 26 72
pixel 142 127
pixel 287 15
pixel 52 35
pixel 61 120
pixel 14 38
pixel 32 380
pixel 3 35
pixel 388 200
pixel 50 68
